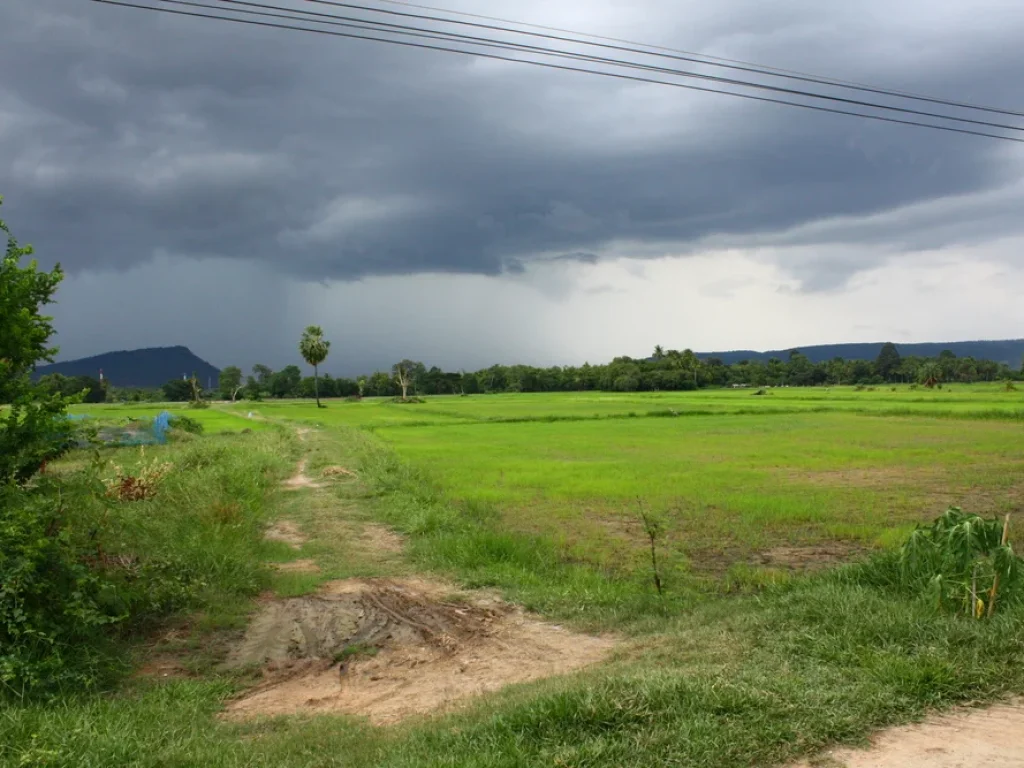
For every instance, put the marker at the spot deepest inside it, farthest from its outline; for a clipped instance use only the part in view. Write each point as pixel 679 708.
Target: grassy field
pixel 535 495
pixel 741 480
pixel 213 420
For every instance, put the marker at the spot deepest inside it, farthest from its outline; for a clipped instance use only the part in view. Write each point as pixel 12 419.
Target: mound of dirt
pixel 390 649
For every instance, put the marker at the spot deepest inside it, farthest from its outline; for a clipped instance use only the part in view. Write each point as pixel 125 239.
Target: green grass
pixel 533 495
pixel 729 485
pixel 953 401
pixel 748 682
pixel 214 420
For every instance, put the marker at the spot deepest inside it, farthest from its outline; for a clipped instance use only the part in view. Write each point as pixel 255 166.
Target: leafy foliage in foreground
pixel 33 429
pixel 965 561
pixel 82 567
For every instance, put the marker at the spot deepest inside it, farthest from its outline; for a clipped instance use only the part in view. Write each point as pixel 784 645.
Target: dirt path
pixel 976 738
pixel 389 646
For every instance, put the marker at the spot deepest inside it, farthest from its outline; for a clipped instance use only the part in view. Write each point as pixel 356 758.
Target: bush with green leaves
pixel 966 561
pixel 54 606
pixel 33 427
pixel 187 424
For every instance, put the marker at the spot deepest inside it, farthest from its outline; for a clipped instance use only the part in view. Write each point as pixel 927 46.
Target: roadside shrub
pixel 962 562
pixel 408 401
pixel 88 560
pixel 187 424
pixel 54 607
pixel 965 561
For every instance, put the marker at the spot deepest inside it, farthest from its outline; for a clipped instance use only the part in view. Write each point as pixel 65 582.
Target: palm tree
pixel 659 352
pixel 930 374
pixel 314 348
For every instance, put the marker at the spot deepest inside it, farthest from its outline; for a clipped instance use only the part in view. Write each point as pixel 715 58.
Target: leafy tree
pixel 380 383
pixel 285 383
pixel 259 382
pixel 177 390
pixel 230 382
pixel 86 388
pixel 314 348
pixel 930 374
pixel 262 374
pixel 659 352
pixel 33 429
pixel 887 364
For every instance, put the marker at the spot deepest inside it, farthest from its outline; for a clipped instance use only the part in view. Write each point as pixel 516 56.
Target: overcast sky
pixel 222 186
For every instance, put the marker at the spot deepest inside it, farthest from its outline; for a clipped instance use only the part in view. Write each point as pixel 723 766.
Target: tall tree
pixel 930 374
pixel 314 348
pixel 888 362
pixel 32 429
pixel 403 373
pixel 230 381
pixel 285 383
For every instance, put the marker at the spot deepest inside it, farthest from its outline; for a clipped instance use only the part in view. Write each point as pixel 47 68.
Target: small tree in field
pixel 403 373
pixel 230 382
pixel 314 348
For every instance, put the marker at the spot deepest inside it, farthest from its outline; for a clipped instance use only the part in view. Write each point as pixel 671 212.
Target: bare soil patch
pixel 380 539
pixel 300 479
pixel 287 532
pixel 799 558
pixel 811 557
pixel 981 499
pixel 389 649
pixel 981 738
pixel 298 566
pixel 869 477
pixel 164 668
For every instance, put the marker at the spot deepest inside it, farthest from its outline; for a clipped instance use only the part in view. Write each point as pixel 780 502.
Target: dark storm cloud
pixel 124 134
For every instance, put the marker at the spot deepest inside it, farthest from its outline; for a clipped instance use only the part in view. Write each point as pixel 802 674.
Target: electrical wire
pixel 544 64
pixel 402 29
pixel 659 51
pixel 709 59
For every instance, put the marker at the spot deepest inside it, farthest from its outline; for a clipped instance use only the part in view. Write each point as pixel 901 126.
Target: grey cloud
pixel 125 134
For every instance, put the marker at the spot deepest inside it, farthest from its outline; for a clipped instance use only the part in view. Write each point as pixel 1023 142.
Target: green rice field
pixel 791 479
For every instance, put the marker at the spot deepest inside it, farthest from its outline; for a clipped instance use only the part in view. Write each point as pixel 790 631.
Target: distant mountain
pixel 1009 352
pixel 138 368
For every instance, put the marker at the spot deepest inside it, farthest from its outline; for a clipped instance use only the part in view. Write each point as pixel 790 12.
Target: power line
pixel 402 29
pixel 561 67
pixel 709 58
pixel 658 51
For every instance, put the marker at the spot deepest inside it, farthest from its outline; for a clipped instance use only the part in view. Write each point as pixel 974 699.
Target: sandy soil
pixel 390 649
pixel 300 479
pixel 976 738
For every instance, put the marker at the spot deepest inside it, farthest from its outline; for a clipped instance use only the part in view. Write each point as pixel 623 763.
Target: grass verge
pixel 723 683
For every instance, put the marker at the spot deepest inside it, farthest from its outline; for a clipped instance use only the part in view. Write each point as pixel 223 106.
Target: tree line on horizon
pixel 664 370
